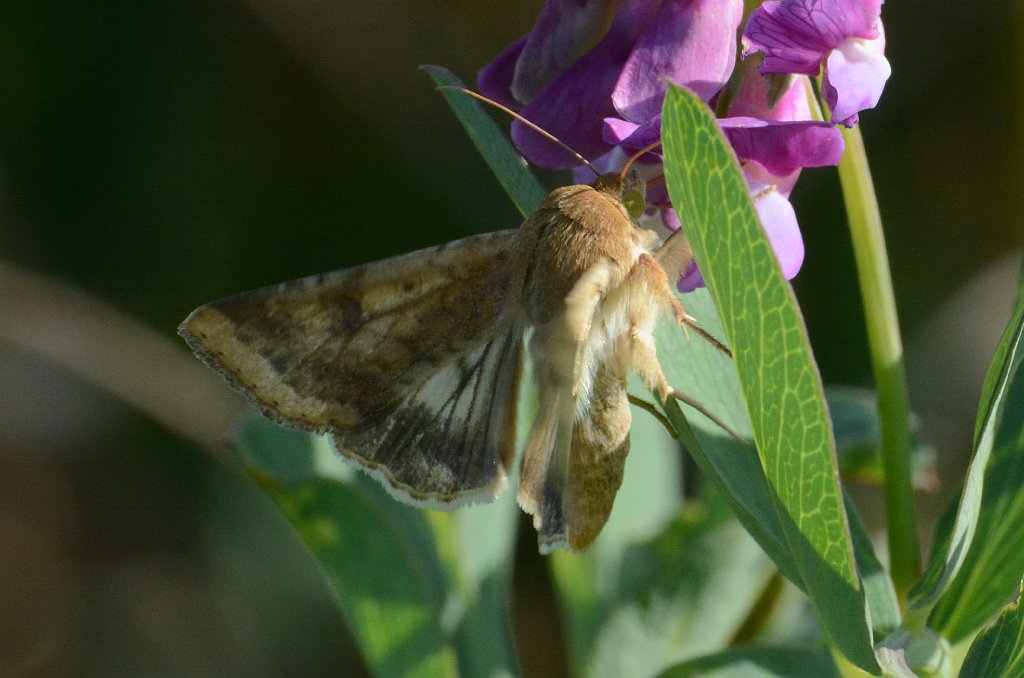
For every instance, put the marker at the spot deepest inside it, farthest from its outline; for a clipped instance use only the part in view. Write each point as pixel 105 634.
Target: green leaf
pixel 858 434
pixel 696 368
pixel 996 376
pixel 999 649
pixel 780 381
pixel 735 470
pixel 588 584
pixel 684 593
pixel 701 371
pixel 425 593
pixel 878 585
pixel 773 662
pixel 990 569
pixel 507 165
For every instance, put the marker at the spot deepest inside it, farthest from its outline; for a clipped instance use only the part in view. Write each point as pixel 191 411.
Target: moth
pixel 412 364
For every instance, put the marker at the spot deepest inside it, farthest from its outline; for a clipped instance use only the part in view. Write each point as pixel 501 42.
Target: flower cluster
pixel 594 74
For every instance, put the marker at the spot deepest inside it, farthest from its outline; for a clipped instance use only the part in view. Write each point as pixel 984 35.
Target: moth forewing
pixel 411 364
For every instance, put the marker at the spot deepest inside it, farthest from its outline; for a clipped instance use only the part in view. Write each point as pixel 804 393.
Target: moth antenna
pixel 536 128
pixel 654 181
pixel 636 156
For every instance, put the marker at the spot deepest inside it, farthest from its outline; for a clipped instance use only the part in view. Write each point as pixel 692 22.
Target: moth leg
pixel 585 296
pixel 697 405
pixel 684 319
pixel 648 285
pixel 648 279
pixel 581 305
pixel 674 256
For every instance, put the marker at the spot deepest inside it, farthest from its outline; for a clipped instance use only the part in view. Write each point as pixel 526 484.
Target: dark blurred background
pixel 155 156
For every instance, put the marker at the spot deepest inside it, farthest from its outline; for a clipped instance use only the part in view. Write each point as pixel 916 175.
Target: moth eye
pixel 634 202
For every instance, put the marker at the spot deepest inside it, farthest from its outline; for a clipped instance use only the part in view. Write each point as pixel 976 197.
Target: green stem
pixel 886 357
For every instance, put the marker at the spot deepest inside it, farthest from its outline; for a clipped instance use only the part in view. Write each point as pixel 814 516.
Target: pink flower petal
pixel 574 105
pixel 612 161
pixel 495 79
pixel 617 130
pixel 752 98
pixel 795 35
pixel 780 225
pixel 855 74
pixel 755 172
pixel 633 138
pixel 564 31
pixel 573 108
pixel 784 147
pixel 778 219
pixel 691 279
pixel 670 218
pixel 690 42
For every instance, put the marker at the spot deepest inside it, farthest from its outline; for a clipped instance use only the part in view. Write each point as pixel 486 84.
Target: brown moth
pixel 412 364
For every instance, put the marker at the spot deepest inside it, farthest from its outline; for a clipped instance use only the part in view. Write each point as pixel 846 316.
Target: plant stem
pixel 886 357
pixel 86 337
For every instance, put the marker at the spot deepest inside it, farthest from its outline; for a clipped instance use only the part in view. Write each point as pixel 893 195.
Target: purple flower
pixel 772 141
pixel 775 129
pixel 624 74
pixel 633 137
pixel 594 73
pixel 690 43
pixel 565 31
pixel 569 100
pixel 845 37
pixel 784 147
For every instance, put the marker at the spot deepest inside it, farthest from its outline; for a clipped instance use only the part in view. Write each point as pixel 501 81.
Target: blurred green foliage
pixel 161 155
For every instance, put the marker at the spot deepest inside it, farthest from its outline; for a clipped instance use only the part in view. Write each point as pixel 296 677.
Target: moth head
pixel 633 188
pixel 629 189
pixel 634 193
